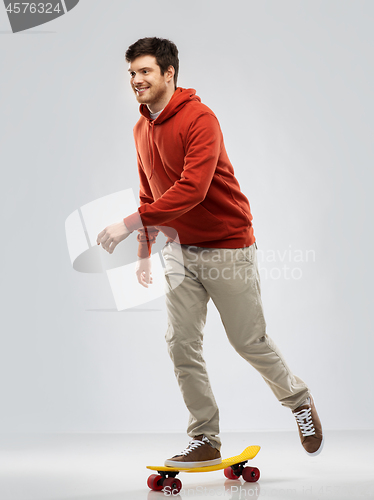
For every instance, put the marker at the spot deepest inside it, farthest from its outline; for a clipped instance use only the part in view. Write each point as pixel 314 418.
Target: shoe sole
pixel 317 452
pixel 192 465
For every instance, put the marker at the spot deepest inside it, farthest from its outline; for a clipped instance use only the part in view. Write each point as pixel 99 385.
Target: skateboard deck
pixel 234 468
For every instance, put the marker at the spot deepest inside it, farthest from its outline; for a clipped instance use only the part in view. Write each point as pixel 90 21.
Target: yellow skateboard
pixel 234 467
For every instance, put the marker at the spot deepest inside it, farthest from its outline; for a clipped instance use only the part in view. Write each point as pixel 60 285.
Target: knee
pixel 185 355
pixel 183 334
pixel 244 345
pixel 247 333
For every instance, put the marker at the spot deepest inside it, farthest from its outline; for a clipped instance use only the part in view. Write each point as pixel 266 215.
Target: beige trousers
pixel 231 278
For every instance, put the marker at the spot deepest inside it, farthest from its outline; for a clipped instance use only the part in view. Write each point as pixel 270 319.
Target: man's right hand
pixel 143 271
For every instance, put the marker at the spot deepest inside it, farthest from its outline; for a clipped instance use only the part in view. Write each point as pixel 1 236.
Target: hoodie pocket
pixel 199 225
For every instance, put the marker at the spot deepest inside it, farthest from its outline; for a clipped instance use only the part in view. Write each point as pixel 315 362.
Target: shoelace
pixel 193 445
pixel 304 419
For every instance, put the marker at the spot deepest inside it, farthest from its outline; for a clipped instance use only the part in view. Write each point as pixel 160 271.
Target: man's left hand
pixel 112 235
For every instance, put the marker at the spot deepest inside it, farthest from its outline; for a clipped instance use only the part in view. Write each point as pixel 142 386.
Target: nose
pixel 137 79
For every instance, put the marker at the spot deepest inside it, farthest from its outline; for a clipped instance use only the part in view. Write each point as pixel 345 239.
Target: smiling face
pixel 149 85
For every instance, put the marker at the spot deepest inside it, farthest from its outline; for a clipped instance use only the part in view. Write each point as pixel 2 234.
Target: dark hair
pixel 165 52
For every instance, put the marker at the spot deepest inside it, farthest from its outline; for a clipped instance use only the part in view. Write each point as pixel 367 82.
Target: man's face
pixel 146 80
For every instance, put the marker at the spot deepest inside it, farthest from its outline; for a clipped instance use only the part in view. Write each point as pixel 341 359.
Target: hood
pixel 177 102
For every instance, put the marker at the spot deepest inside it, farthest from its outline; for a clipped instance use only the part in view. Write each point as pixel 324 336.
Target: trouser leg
pixel 187 309
pixel 232 280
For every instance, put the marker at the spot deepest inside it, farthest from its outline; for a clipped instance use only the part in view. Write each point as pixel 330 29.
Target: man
pixel 187 183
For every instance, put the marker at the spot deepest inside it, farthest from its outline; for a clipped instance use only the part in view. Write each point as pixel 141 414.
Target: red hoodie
pixel 186 179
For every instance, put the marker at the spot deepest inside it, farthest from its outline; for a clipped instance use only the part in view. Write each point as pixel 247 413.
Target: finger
pixel 105 243
pixel 112 246
pixel 102 242
pixel 143 282
pixel 139 276
pixel 99 236
pixel 149 278
pixel 146 274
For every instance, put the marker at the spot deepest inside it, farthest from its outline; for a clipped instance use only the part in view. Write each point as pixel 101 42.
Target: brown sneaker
pixel 199 453
pixel 310 428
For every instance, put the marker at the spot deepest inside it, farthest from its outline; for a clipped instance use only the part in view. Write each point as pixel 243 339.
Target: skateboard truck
pixel 238 468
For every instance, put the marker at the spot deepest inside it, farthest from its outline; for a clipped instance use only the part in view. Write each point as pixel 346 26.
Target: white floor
pixel 112 467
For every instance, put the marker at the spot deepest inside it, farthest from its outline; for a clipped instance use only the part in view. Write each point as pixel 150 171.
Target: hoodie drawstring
pixel 151 147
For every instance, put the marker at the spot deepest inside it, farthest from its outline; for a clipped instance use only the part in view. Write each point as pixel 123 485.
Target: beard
pixel 153 95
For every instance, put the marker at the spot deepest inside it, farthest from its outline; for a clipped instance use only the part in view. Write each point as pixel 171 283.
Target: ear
pixel 170 73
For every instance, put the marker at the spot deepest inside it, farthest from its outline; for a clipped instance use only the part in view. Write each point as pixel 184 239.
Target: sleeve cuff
pixel 144 251
pixel 133 222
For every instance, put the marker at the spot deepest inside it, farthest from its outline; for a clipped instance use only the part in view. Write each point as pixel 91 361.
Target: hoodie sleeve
pixel 203 146
pixel 146 235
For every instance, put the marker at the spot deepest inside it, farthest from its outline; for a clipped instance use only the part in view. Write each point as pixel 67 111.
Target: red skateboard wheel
pixel 251 474
pixel 172 485
pixel 229 473
pixel 155 482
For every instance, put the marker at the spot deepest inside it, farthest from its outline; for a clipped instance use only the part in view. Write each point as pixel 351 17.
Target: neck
pixel 161 104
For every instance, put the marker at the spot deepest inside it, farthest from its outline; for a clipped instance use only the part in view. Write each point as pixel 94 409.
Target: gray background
pixel 291 83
